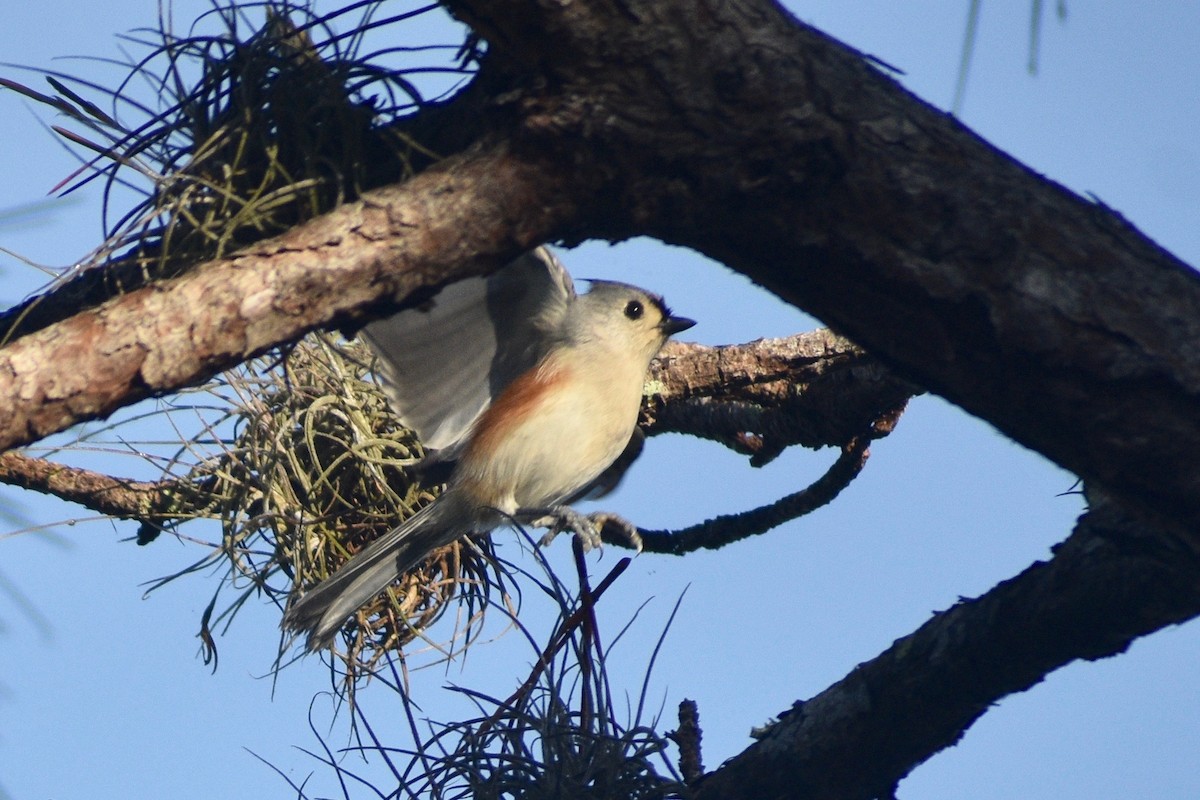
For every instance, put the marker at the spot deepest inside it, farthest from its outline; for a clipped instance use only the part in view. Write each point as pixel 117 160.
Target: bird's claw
pixel 568 519
pixel 587 528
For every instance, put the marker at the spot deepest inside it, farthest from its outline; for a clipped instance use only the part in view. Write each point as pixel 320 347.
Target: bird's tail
pixel 321 611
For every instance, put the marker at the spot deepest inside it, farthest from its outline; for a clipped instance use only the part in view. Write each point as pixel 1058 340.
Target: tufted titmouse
pixel 526 393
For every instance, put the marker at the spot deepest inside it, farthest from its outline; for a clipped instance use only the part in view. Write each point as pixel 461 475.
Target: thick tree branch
pixel 730 128
pixel 469 214
pixel 1112 581
pixel 733 129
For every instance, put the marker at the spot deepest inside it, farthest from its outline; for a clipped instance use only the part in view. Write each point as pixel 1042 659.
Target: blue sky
pixel 109 698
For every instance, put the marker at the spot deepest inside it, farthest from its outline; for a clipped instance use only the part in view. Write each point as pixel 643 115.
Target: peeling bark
pixel 815 390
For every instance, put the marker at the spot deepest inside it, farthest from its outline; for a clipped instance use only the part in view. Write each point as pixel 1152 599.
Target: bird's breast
pixel 549 434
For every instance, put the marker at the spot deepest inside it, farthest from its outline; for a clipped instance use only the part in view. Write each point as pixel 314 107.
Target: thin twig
pixel 116 497
pixel 720 531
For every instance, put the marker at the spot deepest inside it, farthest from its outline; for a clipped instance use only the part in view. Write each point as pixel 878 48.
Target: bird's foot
pixel 587 527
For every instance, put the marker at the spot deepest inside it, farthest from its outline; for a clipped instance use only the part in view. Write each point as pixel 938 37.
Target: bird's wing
pixel 442 363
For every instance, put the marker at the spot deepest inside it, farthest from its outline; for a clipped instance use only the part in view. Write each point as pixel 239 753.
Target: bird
pixel 525 396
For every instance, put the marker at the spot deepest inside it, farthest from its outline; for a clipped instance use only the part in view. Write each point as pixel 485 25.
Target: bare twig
pixel 687 738
pixel 117 497
pixel 715 533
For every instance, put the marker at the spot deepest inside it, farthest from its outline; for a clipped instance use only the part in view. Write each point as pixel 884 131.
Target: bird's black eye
pixel 634 309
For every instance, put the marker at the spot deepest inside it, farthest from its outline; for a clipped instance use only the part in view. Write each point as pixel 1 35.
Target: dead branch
pixel 116 497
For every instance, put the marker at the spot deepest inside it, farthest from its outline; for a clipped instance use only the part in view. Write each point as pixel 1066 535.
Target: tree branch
pixel 1111 582
pixel 459 218
pixel 715 533
pixel 1046 315
pixel 822 370
pixel 814 389
pixel 115 497
pixel 733 129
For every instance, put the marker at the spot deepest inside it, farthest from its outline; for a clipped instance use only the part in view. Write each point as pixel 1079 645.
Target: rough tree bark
pixel 734 130
pixel 445 224
pixel 728 127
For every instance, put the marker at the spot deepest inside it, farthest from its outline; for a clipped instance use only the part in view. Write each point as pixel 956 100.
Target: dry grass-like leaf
pixel 560 734
pixel 314 468
pixel 253 128
pixel 247 130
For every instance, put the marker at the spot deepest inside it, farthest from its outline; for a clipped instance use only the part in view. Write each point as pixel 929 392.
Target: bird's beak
pixel 673 325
